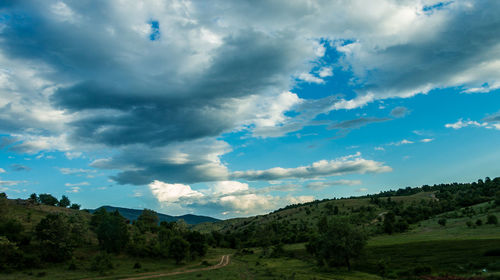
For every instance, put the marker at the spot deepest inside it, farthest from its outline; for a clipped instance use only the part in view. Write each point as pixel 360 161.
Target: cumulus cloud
pixel 2 170
pixel 402 142
pixel 323 168
pixel 226 197
pixel 73 190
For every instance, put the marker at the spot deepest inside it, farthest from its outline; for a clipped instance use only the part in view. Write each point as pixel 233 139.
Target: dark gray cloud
pixel 399 112
pixel 19 167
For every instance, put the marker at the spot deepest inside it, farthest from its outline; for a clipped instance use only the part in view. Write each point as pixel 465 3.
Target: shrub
pixel 442 222
pixel 54 234
pixel 101 263
pixel 137 265
pixel 479 222
pixel 492 220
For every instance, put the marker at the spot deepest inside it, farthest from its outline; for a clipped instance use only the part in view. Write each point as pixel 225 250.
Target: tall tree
pixel 337 244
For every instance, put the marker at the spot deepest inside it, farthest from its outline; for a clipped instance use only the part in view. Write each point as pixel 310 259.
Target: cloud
pixel 11 183
pixel 346 126
pixel 427 140
pixel 325 184
pixel 402 142
pixel 77 184
pixel 71 171
pixel 19 167
pixel 362 190
pixel 165 192
pixel 467 123
pixel 79 83
pixel 2 170
pixel 73 190
pixel 226 197
pixel 353 164
pixel 400 112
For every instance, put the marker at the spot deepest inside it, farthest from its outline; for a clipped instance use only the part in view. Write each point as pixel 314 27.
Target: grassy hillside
pixel 309 213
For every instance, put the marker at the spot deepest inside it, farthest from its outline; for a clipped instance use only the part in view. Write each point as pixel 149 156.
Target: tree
pixel 11 229
pixel 53 232
pixel 33 198
pixel 442 222
pixel 148 221
pixel 479 222
pixel 337 244
pixel 112 233
pixel 64 202
pixel 75 206
pixel 389 220
pixel 47 199
pixel 198 244
pixel 3 195
pixel 178 249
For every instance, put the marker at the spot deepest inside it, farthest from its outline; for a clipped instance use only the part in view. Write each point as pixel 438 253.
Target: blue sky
pixel 234 109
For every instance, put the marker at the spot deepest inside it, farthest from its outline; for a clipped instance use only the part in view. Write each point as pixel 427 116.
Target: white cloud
pixel 325 72
pixel 307 77
pixel 323 168
pixel 427 140
pixel 11 183
pixel 227 197
pixel 362 190
pixel 70 171
pixel 402 142
pixel 77 184
pixel 379 149
pixel 165 192
pixel 74 190
pixel 2 170
pixel 325 184
pixel 461 124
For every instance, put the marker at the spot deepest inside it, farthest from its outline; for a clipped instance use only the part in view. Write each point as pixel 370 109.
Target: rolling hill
pixel 133 214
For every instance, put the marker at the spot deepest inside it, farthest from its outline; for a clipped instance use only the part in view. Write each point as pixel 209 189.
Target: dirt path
pixel 223 262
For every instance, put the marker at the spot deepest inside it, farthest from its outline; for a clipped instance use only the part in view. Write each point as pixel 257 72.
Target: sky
pixel 238 108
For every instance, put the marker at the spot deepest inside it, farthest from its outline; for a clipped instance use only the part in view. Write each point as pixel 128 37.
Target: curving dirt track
pixel 223 262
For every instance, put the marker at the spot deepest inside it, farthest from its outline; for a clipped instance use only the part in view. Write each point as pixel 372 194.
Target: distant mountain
pixel 133 214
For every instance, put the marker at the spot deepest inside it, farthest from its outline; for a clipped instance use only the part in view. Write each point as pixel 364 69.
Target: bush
pixel 422 270
pixel 479 222
pixel 442 222
pixel 492 220
pixel 492 253
pixel 137 265
pixel 101 263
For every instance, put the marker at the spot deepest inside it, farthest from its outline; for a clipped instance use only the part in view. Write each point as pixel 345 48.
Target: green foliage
pixel 33 198
pixel 64 202
pixel 148 221
pixel 12 229
pixel 337 243
pixel 54 235
pixel 179 249
pixel 47 199
pixel 112 232
pixel 479 222
pixel 75 206
pixel 492 220
pixel 442 222
pixel 197 244
pixel 3 195
pixel 10 255
pixel 101 263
